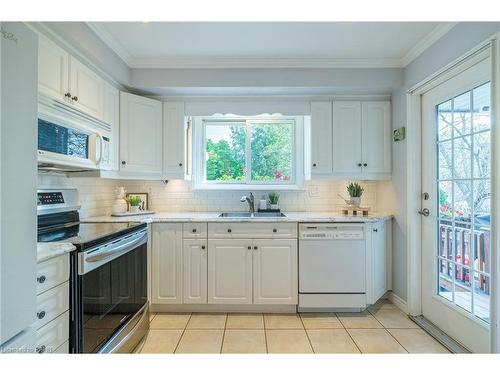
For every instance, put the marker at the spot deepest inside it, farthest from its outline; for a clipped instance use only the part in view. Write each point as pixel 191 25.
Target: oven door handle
pixel 99 257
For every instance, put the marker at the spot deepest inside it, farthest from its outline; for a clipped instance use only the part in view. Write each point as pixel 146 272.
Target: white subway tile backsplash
pixel 97 195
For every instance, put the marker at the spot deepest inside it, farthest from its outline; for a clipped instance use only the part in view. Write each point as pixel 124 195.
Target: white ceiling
pixel 269 44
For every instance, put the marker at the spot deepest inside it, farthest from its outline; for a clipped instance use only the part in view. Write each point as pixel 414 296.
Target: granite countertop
pixel 48 250
pixel 294 217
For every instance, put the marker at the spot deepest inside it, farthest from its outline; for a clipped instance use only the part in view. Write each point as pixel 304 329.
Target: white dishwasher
pixel 332 267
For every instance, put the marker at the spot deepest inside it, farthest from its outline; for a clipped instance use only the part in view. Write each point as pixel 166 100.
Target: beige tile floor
pixel 382 328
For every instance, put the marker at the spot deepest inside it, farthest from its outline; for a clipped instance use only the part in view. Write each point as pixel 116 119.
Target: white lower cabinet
pixel 53 335
pixel 275 272
pixel 230 271
pixel 376 261
pixel 166 263
pixel 195 266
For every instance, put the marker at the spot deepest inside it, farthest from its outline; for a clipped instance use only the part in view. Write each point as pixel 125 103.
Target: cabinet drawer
pixel 51 273
pixel 51 304
pixel 252 230
pixel 194 230
pixel 53 335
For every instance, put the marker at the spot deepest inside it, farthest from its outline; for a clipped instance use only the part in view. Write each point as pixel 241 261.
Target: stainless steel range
pixel 108 283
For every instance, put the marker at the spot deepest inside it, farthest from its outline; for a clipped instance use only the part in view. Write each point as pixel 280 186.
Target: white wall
pixel 452 45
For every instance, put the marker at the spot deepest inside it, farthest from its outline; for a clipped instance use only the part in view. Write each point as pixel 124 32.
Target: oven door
pixel 113 290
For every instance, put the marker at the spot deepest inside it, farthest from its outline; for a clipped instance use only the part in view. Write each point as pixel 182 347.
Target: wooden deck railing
pixel 465 255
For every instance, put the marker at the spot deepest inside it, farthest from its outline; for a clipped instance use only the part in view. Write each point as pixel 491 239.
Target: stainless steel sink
pixel 249 215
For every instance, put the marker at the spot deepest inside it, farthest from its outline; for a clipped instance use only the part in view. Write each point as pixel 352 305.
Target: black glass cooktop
pixel 86 234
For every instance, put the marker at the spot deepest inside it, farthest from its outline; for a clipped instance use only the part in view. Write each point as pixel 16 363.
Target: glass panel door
pixel 463 181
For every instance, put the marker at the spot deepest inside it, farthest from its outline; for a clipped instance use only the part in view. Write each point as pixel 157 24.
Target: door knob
pixel 425 212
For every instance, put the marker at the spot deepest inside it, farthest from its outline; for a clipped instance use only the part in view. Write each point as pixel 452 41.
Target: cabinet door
pixel 174 140
pixel 195 271
pixel 140 135
pixel 346 138
pixel 321 138
pixel 230 271
pixel 275 272
pixel 112 117
pixel 166 266
pixel 376 137
pixel 87 89
pixel 378 261
pixel 53 69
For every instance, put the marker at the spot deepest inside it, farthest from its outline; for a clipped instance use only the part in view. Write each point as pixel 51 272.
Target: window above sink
pixel 264 152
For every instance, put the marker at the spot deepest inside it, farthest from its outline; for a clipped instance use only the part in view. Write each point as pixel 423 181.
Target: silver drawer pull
pixel 40 314
pixel 41 279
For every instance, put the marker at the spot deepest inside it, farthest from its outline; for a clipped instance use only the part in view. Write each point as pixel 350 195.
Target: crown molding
pixel 260 63
pixel 111 41
pixel 437 33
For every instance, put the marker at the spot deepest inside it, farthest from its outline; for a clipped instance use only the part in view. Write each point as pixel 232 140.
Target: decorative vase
pixel 120 206
pixel 134 209
pixel 355 201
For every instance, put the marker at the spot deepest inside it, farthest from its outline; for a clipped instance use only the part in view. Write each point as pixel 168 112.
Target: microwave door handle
pixel 101 145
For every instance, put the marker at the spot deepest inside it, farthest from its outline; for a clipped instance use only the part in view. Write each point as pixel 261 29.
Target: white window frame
pixel 199 146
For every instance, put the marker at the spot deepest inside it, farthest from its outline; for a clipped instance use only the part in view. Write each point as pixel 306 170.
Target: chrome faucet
pixel 251 202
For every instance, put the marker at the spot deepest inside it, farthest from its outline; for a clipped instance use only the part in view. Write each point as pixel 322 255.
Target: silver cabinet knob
pixel 67 95
pixel 275 230
pixel 255 247
pixel 40 314
pixel 203 247
pixel 249 247
pixel 41 349
pixel 75 98
pixel 193 230
pixel 229 230
pixel 41 279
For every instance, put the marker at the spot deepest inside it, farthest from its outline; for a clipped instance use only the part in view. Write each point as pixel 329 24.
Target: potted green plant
pixel 273 199
pixel 355 192
pixel 134 202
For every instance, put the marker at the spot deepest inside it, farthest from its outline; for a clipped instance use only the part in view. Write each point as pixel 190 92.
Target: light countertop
pixel 48 250
pixel 297 217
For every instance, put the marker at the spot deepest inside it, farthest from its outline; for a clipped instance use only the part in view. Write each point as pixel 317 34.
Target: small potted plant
pixel 273 198
pixel 134 202
pixel 355 192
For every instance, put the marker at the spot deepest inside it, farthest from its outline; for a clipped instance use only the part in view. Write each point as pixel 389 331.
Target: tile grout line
pixel 307 335
pixel 387 330
pixel 265 332
pixel 349 333
pixel 182 334
pixel 224 333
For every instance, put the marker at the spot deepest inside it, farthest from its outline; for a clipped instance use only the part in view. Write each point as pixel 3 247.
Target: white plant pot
pixel 274 206
pixel 355 201
pixel 134 208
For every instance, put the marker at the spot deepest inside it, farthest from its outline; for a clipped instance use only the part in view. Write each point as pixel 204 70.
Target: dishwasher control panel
pixel 331 232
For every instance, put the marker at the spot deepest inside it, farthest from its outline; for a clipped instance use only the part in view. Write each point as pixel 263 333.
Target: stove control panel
pixel 48 198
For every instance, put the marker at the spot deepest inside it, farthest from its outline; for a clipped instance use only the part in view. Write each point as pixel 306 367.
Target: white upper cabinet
pixel 166 272
pixel 321 138
pixel 174 140
pixel 65 78
pixel 86 88
pixel 275 272
pixel 376 138
pixel 351 141
pixel 112 117
pixel 141 131
pixel 347 133
pixel 53 69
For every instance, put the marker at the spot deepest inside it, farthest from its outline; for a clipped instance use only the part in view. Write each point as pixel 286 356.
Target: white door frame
pixel 413 167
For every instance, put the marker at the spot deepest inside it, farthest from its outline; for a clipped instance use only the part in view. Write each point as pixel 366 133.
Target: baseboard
pixel 398 301
pixel 209 308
